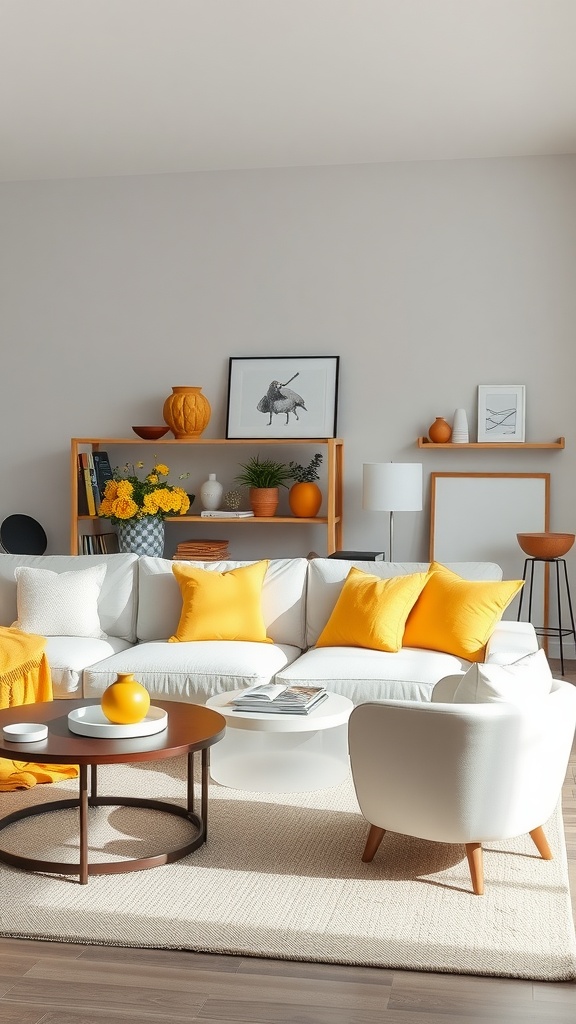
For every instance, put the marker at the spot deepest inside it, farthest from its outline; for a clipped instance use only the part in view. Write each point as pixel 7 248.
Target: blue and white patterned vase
pixel 142 536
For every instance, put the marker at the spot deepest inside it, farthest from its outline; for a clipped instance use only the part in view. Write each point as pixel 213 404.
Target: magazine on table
pixel 273 697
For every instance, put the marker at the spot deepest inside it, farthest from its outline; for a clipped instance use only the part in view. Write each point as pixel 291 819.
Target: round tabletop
pixel 190 727
pixel 333 711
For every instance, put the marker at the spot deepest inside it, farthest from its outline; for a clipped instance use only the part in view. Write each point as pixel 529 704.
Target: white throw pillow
pixel 525 680
pixel 59 603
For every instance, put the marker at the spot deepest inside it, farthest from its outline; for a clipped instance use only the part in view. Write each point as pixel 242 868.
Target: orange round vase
pixel 440 432
pixel 264 500
pixel 125 701
pixel 187 412
pixel 305 498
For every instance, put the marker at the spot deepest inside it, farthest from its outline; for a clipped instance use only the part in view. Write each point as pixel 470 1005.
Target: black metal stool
pixel 550 631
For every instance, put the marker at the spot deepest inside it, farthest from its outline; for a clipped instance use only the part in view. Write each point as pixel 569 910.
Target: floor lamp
pixel 392 487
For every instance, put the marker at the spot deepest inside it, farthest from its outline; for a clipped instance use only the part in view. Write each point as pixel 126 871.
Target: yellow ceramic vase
pixel 125 701
pixel 187 412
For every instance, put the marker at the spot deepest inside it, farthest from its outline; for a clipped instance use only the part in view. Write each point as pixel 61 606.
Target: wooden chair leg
pixel 375 837
pixel 541 843
pixel 475 863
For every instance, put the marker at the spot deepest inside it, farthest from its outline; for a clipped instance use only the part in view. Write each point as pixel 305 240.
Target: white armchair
pixel 461 773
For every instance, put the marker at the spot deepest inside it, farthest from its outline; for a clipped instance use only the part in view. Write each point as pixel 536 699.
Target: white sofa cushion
pixel 68 656
pixel 59 603
pixel 363 674
pixel 525 680
pixel 192 671
pixel 326 578
pixel 283 598
pixel 117 600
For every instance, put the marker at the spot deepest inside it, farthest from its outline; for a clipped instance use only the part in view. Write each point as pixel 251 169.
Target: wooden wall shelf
pixel 423 442
pixel 332 521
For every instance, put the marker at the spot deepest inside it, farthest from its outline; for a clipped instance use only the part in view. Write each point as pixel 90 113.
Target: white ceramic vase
pixel 211 493
pixel 460 433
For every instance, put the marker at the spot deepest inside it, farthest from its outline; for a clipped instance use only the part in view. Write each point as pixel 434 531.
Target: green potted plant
pixel 305 497
pixel 264 477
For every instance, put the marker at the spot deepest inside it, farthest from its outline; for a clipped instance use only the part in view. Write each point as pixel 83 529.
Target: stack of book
pixel 98 543
pixel 201 551
pixel 273 697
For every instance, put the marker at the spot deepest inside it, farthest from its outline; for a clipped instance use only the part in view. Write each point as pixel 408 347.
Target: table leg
pixel 93 783
pixel 83 805
pixel 205 774
pixel 190 784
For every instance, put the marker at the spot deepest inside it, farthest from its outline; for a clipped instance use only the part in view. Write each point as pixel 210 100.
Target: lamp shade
pixel 392 486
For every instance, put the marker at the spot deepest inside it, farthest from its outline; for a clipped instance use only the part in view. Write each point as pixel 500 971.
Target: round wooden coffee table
pixel 191 728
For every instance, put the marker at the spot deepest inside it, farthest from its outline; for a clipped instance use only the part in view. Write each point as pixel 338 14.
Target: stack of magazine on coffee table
pixel 274 697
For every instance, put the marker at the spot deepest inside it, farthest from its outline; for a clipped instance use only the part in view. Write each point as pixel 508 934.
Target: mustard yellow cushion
pixel 221 605
pixel 371 612
pixel 458 616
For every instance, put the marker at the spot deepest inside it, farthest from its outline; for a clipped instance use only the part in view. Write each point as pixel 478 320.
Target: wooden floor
pixel 56 983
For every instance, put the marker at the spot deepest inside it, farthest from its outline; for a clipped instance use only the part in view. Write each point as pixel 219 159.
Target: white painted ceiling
pixel 116 87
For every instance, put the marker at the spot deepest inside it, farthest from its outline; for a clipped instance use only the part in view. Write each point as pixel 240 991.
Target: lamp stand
pixel 391 548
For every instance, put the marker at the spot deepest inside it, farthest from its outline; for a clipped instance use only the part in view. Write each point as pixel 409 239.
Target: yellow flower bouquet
pixel 129 498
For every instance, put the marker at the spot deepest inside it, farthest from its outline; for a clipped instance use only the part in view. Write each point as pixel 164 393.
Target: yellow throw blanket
pixel 25 679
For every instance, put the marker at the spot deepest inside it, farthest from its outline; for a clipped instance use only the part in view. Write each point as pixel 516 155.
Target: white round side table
pixel 282 753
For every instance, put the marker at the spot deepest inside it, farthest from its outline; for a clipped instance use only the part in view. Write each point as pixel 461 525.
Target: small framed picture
pixel 501 412
pixel 282 396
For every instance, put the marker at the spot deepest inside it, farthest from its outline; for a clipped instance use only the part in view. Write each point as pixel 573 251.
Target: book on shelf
pixel 93 483
pixel 87 483
pixel 98 543
pixel 360 556
pixel 103 471
pixel 226 515
pixel 82 499
pixel 275 697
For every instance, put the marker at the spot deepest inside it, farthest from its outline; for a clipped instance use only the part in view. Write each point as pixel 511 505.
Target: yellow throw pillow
pixel 458 616
pixel 221 605
pixel 372 612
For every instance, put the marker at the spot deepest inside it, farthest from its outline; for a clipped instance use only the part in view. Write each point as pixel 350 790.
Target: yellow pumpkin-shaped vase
pixel 187 412
pixel 305 498
pixel 125 701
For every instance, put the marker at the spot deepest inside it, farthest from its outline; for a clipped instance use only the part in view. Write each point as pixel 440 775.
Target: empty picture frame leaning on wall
pixel 501 412
pixel 476 516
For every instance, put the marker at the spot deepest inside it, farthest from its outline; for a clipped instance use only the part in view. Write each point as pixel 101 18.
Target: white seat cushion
pixel 68 656
pixel 362 674
pixel 193 671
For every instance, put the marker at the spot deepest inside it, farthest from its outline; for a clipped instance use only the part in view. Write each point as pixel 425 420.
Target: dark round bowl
pixel 151 433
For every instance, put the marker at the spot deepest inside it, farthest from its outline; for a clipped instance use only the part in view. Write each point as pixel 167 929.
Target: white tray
pixel 91 721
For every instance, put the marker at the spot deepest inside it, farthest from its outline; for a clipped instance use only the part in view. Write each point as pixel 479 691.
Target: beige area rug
pixel 281 877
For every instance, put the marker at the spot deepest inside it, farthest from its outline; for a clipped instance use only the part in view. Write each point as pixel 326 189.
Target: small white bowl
pixel 25 732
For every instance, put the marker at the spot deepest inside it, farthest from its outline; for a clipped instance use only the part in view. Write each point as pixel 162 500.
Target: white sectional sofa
pixel 139 607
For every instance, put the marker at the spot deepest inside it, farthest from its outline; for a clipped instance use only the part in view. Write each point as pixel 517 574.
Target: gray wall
pixel 427 279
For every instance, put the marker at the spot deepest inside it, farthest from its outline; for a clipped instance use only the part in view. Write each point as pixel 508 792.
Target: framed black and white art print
pixel 501 412
pixel 282 396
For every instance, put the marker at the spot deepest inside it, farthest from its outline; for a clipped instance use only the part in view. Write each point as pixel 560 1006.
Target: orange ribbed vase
pixel 187 412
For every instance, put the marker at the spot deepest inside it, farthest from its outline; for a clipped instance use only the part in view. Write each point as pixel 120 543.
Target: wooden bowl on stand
pixel 545 545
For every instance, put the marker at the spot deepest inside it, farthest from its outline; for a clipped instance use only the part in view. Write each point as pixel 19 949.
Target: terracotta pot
pixel 264 500
pixel 187 412
pixel 305 498
pixel 440 432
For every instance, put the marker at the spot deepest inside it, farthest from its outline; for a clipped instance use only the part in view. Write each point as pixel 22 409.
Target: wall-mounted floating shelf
pixel 423 442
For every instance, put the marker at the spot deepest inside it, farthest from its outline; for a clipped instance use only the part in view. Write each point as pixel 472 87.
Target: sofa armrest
pixel 511 641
